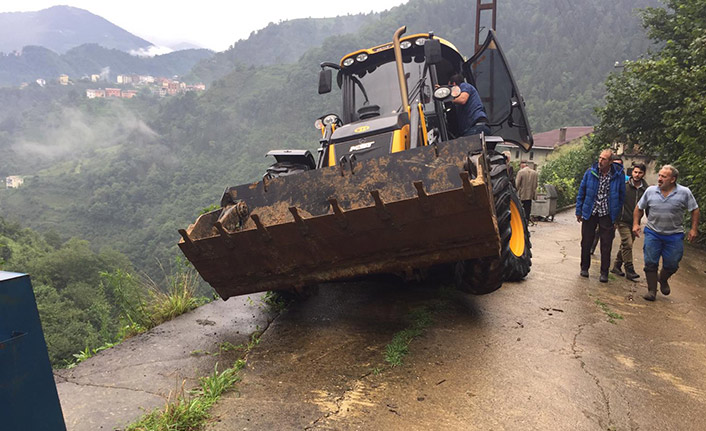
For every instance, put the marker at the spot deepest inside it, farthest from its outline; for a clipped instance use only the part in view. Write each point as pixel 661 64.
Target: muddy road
pixel 552 352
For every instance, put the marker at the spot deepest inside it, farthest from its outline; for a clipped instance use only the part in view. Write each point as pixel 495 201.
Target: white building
pixel 14 181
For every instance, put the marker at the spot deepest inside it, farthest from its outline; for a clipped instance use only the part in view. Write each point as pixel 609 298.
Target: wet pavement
pixel 555 351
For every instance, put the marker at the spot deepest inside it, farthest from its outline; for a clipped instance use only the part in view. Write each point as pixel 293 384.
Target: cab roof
pixel 389 45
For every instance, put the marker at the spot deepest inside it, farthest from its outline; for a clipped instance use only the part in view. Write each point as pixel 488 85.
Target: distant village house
pixel 93 94
pixel 13 181
pixel 124 79
pixel 545 143
pixel 64 79
pixel 112 92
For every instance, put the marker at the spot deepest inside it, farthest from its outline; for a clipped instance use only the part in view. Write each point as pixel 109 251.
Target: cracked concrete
pixel 118 385
pixel 601 419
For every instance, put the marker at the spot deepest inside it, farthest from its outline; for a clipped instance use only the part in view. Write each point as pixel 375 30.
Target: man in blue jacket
pixel 599 203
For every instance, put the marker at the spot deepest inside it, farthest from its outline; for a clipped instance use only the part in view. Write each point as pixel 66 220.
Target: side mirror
pixel 325 78
pixel 432 51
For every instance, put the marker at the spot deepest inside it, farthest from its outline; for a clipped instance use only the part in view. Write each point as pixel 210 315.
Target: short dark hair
pixel 640 166
pixel 457 78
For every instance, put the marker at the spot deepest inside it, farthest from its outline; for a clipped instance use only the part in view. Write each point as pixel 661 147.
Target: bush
pixel 565 168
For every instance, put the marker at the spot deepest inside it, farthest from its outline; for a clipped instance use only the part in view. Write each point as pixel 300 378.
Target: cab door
pixel 489 71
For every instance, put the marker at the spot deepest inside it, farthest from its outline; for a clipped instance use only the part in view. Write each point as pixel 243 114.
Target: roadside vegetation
pixel 190 410
pixel 420 319
pixel 90 300
pixel 612 315
pixel 144 304
pixel 395 352
pixel 564 169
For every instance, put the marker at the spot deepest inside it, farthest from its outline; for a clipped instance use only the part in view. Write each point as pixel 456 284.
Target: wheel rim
pixel 517 238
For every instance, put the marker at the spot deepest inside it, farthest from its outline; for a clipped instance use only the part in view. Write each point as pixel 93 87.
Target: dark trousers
pixel 606 233
pixel 527 206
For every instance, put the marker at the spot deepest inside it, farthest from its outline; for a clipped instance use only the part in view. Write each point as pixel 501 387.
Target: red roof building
pixel 545 143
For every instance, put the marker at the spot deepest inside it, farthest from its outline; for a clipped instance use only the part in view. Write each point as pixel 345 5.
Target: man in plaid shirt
pixel 598 203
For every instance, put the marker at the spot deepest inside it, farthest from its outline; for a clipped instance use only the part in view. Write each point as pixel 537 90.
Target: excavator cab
pixel 375 120
pixel 372 106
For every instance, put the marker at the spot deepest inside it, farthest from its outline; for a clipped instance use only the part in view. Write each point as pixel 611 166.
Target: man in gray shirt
pixel 664 234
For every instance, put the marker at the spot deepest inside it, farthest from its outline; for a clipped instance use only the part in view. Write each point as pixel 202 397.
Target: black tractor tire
pixel 485 275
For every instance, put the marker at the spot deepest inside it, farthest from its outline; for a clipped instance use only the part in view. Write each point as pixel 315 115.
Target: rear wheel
pixel 485 275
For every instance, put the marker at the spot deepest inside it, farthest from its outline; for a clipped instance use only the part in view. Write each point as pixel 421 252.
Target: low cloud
pixel 151 51
pixel 71 133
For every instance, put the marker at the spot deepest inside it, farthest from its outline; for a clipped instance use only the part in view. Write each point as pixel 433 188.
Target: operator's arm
pixel 462 98
pixel 636 216
pixel 694 232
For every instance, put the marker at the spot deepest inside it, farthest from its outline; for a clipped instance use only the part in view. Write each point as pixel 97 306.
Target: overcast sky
pixel 207 23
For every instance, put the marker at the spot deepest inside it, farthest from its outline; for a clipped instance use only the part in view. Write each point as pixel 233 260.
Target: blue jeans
pixel 669 247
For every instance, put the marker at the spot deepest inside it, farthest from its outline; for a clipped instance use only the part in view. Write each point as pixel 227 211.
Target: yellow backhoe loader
pixel 394 187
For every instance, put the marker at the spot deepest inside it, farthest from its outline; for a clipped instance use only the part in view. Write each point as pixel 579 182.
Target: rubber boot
pixel 651 294
pixel 616 268
pixel 664 275
pixel 630 273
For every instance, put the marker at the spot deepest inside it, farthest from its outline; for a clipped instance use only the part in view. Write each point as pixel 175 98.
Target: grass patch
pixel 190 410
pixel 398 348
pixel 275 301
pixel 88 353
pixel 612 315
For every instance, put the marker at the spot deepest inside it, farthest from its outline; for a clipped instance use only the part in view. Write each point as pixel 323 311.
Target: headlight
pixel 455 91
pixel 319 124
pixel 348 61
pixel 406 44
pixel 330 119
pixel 420 42
pixel 361 57
pixel 442 93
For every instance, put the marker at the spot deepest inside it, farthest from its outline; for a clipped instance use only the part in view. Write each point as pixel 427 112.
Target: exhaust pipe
pixel 400 70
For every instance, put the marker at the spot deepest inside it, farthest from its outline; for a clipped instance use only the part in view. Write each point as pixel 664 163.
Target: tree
pixel 658 104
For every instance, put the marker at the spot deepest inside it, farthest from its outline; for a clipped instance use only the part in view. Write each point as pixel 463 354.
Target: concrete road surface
pixel 119 385
pixel 555 351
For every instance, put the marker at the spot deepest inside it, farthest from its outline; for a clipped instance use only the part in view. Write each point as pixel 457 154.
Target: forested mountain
pixel 61 28
pixel 130 173
pixel 38 62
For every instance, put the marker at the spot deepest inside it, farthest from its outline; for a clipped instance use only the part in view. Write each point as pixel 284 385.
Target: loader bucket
pixel 391 214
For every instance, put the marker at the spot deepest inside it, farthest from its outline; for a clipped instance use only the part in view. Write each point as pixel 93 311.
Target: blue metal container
pixel 28 396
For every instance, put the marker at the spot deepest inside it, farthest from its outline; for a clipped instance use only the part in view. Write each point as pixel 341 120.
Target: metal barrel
pixel 398 212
